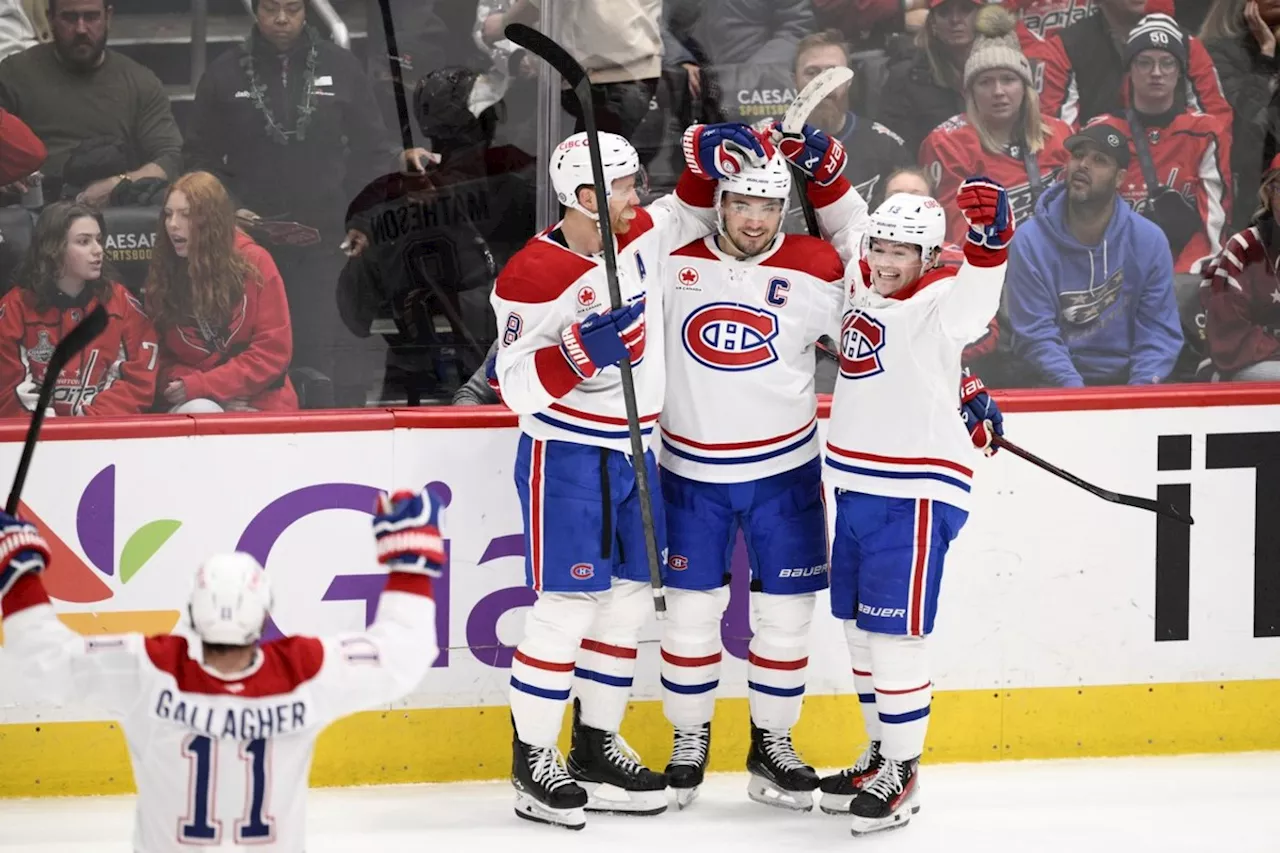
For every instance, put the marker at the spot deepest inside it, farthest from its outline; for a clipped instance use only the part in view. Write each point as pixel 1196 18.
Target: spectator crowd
pixel 321 225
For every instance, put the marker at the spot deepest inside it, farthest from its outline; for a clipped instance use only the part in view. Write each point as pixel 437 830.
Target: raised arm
pixel 973 300
pixel 56 664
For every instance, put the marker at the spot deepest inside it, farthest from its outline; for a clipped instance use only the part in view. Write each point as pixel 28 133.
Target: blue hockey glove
pixel 981 415
pixel 407 528
pixel 813 152
pixel 985 206
pixel 22 550
pixel 601 340
pixel 715 151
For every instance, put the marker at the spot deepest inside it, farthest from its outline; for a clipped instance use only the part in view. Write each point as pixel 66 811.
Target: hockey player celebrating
pixel 740 452
pixel 902 490
pixel 584 539
pixel 227 726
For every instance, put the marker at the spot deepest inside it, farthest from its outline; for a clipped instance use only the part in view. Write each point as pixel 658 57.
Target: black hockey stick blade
pixel 553 54
pixel 1164 508
pixel 78 338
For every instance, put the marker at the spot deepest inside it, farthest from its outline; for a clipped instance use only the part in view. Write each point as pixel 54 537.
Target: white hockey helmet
pixel 230 600
pixel 770 180
pixel 906 218
pixel 570 166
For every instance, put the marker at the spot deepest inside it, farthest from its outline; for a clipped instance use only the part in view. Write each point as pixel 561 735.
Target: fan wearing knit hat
pixel 1001 133
pixel 1180 176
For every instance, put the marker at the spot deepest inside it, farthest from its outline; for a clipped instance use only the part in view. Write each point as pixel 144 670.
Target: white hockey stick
pixel 794 119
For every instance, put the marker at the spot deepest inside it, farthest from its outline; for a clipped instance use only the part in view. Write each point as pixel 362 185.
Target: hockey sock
pixel 900 667
pixel 606 662
pixel 860 656
pixel 542 669
pixel 778 658
pixel 691 653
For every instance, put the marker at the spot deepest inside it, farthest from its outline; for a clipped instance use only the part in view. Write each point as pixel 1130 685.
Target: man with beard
pixel 289 124
pixel 873 149
pixel 74 89
pixel 1090 282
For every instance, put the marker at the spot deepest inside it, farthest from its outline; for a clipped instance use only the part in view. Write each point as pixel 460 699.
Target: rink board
pixel 1068 626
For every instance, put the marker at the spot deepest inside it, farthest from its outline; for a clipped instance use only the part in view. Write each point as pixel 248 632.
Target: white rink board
pixel 1047 586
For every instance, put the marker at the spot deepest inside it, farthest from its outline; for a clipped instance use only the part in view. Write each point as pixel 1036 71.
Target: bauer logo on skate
pixel 729 336
pixel 861 339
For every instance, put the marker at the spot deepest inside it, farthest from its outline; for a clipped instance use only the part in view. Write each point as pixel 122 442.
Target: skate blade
pixel 897 820
pixel 836 804
pixel 530 809
pixel 685 797
pixel 763 791
pixel 610 799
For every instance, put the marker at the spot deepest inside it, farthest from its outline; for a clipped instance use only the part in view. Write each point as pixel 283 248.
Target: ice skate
pixel 611 773
pixel 545 793
pixel 778 776
pixel 889 800
pixel 839 789
pixel 688 763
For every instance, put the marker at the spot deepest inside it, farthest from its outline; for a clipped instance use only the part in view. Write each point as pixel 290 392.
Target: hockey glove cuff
pixel 981 415
pixel 985 206
pixel 406 527
pixel 813 152
pixel 715 151
pixel 602 340
pixel 22 551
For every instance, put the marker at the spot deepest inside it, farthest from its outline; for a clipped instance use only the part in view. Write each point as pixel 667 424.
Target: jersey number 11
pixel 200 825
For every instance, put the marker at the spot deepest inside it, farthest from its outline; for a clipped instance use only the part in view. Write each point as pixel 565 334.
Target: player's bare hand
pixel 176 392
pixel 355 244
pixel 1261 32
pixel 98 193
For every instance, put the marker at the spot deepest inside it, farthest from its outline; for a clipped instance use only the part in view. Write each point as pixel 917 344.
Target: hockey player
pixel 222 727
pixel 585 550
pixel 740 452
pixel 902 489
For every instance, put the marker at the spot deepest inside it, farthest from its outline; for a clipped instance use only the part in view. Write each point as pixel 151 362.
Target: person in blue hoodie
pixel 1090 283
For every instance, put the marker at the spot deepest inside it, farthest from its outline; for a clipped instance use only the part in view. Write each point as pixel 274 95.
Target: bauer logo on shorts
pixel 861 339
pixel 582 571
pixel 729 336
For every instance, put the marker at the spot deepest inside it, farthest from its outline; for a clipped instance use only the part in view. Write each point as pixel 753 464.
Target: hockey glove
pixel 602 340
pixel 406 526
pixel 813 152
pixel 985 206
pixel 22 550
pixel 981 415
pixel 715 151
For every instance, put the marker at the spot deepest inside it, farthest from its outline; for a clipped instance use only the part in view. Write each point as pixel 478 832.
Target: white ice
pixel 1132 805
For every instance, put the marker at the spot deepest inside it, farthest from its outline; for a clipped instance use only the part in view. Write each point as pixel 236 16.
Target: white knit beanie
pixel 996 46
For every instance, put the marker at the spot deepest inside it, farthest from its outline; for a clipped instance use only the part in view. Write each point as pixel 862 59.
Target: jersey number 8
pixel 200 826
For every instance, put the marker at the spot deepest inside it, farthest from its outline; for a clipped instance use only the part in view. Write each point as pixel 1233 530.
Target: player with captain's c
pixel 902 487
pixel 221 726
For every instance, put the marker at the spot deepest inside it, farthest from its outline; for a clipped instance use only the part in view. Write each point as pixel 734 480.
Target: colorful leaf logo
pixel 96 525
pixel 143 544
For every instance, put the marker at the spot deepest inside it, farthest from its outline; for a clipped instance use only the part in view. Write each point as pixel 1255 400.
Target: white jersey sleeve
pixel 843 218
pixel 57 665
pixel 686 214
pixel 974 296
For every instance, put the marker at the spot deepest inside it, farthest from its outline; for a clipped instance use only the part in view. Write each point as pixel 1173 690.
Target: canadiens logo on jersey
pixel 861 340
pixel 729 336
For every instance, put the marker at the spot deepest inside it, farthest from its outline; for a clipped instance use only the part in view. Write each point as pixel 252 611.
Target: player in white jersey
pixel 584 543
pixel 902 488
pixel 221 728
pixel 740 452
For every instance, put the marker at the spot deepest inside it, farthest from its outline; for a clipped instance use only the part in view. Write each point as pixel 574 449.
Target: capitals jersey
pixel 1192 155
pixel 740 401
pixel 953 152
pixel 900 359
pixel 1046 17
pixel 547 287
pixel 222 760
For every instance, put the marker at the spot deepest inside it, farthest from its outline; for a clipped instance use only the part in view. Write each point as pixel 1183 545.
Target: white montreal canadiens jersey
pixel 895 425
pixel 222 762
pixel 740 401
pixel 546 287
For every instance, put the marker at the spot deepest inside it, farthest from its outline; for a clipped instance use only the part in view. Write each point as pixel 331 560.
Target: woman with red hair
pixel 218 303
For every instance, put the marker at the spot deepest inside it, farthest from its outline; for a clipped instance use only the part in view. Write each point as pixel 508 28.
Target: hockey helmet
pixel 906 218
pixel 442 105
pixel 570 167
pixel 230 600
pixel 772 179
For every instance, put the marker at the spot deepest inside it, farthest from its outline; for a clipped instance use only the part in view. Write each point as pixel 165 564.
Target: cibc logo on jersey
pixel 861 339
pixel 730 336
